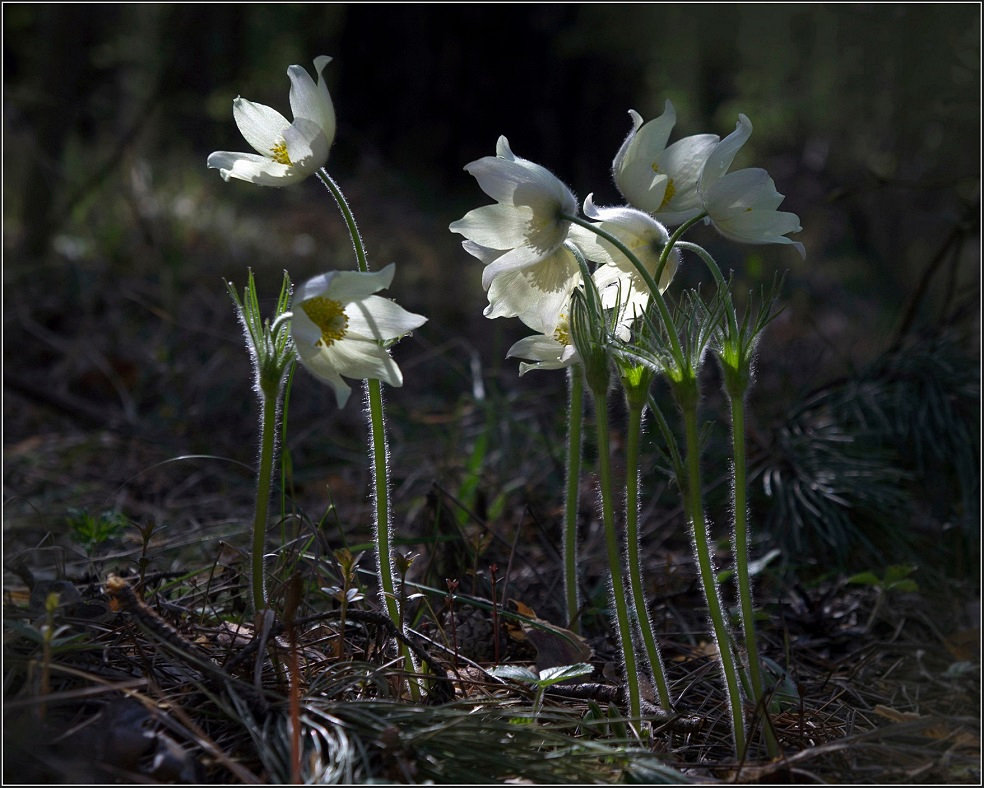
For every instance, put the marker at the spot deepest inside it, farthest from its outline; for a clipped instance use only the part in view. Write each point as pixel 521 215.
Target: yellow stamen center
pixel 279 152
pixel 562 333
pixel 329 316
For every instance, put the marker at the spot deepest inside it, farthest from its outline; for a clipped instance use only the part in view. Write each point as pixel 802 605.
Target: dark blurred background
pixel 121 348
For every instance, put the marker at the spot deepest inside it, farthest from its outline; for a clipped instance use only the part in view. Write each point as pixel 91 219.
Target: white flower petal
pixel 322 368
pixel 628 141
pixel 747 189
pixel 683 162
pixel 483 253
pixel 495 226
pixel 742 205
pixel 261 126
pixel 755 226
pixel 363 360
pixel 305 333
pixel 307 146
pixel 355 350
pixel 520 257
pixel 312 101
pixel 502 149
pixel 346 286
pixel 253 168
pixel 526 224
pixel 632 168
pixel 545 352
pixel 537 294
pixel 374 317
pixel 517 181
pixel 723 155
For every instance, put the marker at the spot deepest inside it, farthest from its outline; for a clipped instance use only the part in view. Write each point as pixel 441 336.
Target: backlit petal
pixel 723 155
pixel 307 145
pixel 380 319
pixel 312 101
pixel 363 360
pixel 253 168
pixel 261 126
pixel 495 226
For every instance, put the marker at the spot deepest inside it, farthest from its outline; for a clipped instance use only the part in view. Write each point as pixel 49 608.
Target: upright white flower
pixel 658 179
pixel 617 279
pixel 526 223
pixel 340 328
pixel 742 204
pixel 286 152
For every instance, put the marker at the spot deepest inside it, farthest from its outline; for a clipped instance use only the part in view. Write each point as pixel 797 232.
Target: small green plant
pixel 543 680
pixel 895 580
pixel 92 531
pixel 346 593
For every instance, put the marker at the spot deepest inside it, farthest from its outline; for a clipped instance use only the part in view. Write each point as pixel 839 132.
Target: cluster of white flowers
pixel 339 328
pixel 524 238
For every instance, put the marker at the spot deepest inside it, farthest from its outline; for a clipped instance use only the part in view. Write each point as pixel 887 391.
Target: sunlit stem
pixel 379 451
pixel 575 383
pixel 695 506
pixel 635 411
pixel 353 228
pixel 380 484
pixel 614 563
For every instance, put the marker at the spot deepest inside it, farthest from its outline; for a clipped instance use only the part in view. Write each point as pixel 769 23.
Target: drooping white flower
pixel 526 223
pixel 742 204
pixel 658 179
pixel 617 279
pixel 285 152
pixel 340 328
pixel 535 294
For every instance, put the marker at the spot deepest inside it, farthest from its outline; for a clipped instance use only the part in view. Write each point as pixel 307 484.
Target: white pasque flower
pixel 742 204
pixel 658 179
pixel 340 328
pixel 617 279
pixel 535 294
pixel 525 224
pixel 286 152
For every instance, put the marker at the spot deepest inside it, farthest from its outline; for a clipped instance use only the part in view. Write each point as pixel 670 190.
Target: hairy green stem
pixel 735 387
pixel 695 506
pixel 379 451
pixel 741 565
pixel 353 228
pixel 575 383
pixel 380 486
pixel 611 541
pixel 264 480
pixel 635 411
